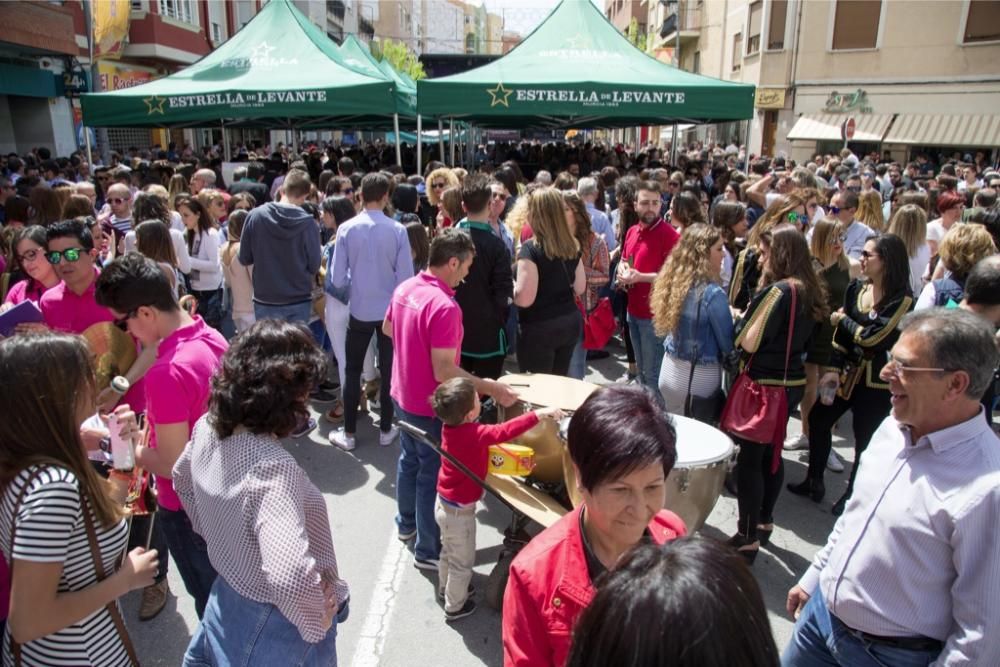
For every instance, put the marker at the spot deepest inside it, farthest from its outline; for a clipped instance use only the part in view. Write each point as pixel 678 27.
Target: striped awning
pixel 870 127
pixel 945 130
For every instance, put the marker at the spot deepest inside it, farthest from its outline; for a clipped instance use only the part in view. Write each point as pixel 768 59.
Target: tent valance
pixel 945 130
pixel 826 127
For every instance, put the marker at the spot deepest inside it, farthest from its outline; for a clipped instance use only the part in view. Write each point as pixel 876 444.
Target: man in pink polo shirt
pixel 425 324
pixel 646 248
pixel 177 387
pixel 70 307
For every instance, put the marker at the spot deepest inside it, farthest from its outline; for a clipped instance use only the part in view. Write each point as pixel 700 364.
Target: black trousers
pixel 359 335
pixel 869 406
pixel 758 487
pixel 547 346
pixel 486 368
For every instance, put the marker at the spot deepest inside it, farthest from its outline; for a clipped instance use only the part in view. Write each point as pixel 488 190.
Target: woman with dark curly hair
pixel 279 592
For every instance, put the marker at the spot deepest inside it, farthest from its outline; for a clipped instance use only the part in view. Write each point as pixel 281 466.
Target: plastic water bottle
pixel 122 455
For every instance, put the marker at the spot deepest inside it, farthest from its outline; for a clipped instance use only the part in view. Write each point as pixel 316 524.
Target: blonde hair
pixel 548 224
pixel 870 211
pixel 450 179
pixel 177 185
pixel 820 246
pixel 963 246
pixel 776 213
pixel 206 197
pixel 517 217
pixel 909 223
pixel 688 266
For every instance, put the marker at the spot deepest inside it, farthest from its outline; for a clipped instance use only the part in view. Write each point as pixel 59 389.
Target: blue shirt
pixel 600 223
pixel 372 257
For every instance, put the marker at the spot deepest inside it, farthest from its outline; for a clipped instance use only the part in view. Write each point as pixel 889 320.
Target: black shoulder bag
pixel 709 409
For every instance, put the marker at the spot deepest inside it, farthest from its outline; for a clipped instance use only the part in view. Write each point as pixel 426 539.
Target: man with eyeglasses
pixel 844 206
pixel 119 214
pixel 911 573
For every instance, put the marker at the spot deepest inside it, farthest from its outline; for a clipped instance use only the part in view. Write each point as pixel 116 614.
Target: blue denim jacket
pixel 714 333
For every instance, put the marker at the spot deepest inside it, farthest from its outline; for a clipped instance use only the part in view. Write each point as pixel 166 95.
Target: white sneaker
pixel 794 442
pixel 385 438
pixel 833 463
pixel 340 439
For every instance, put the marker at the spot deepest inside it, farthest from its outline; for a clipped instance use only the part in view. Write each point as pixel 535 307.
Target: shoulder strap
pixel 15 648
pixel 694 361
pixel 112 607
pixel 791 328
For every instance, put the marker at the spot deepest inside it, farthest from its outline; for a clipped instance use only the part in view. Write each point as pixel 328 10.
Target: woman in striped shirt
pixel 59 530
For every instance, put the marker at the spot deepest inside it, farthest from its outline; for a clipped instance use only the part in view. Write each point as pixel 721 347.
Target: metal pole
pixel 746 151
pixel 673 147
pixel 226 151
pixel 451 142
pixel 399 150
pixel 420 142
pixel 440 140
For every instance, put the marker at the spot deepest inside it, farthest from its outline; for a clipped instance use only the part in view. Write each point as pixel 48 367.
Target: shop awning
pixel 945 130
pixel 826 127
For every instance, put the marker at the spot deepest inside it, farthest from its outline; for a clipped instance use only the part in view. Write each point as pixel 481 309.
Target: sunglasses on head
pixel 71 255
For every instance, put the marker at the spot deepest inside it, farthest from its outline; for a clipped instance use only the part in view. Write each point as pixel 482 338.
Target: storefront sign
pixel 769 98
pixel 115 77
pixel 845 102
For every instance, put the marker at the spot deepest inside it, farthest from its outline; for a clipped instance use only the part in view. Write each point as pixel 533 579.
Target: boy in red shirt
pixel 456 404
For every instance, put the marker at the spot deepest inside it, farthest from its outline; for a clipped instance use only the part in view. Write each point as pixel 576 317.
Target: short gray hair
pixel 959 341
pixel 206 176
pixel 543 177
pixel 239 173
pixel 586 187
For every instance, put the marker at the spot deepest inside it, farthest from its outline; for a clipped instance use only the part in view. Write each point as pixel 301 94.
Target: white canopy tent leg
pixel 399 150
pixel 420 143
pixel 440 140
pixel 451 142
pixel 746 152
pixel 226 151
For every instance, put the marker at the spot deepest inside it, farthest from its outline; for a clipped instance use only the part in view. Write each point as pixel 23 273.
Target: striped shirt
pixel 50 529
pixel 265 523
pixel 915 553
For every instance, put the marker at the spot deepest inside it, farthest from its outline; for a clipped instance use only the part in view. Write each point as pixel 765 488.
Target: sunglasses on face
pixel 122 323
pixel 71 255
pixel 800 218
pixel 117 200
pixel 30 256
pixel 868 255
pixel 347 191
pixel 498 195
pixel 437 186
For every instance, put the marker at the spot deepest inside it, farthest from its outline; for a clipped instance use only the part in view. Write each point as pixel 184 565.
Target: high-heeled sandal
pixel 739 542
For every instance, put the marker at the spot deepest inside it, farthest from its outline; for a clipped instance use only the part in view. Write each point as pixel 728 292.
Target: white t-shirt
pixel 918 265
pixel 935 230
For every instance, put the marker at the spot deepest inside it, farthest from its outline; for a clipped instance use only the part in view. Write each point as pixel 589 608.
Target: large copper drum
pixel 113 349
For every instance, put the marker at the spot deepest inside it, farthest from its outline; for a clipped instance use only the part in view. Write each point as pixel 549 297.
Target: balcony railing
pixel 687 14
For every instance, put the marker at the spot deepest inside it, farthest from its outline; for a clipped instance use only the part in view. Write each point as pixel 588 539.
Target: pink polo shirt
pixel 424 316
pixel 177 386
pixel 67 312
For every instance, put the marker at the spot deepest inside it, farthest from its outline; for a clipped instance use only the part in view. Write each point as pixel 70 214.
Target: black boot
pixel 811 488
pixel 838 507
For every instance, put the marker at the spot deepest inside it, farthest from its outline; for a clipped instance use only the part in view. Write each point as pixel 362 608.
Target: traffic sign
pixel 847 129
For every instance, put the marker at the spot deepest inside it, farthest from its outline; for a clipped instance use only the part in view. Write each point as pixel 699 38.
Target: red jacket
pixel 550 586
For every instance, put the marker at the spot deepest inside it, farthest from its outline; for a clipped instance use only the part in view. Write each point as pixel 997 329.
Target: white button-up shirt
pixel 916 551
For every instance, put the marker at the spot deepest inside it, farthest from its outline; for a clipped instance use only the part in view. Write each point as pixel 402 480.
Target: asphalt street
pixel 395 619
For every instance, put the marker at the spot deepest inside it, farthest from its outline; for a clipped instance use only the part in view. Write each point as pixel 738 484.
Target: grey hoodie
pixel 282 243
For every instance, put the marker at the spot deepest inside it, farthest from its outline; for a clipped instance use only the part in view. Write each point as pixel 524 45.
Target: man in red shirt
pixel 646 248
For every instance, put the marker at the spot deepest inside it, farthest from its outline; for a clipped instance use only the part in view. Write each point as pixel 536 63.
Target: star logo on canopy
pixel 578 41
pixel 500 95
pixel 262 50
pixel 154 104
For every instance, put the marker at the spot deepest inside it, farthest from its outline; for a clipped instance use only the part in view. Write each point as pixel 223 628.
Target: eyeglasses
pixel 868 255
pixel 117 200
pixel 71 255
pixel 29 256
pixel 438 186
pixel 839 240
pixel 498 195
pixel 854 188
pixel 895 369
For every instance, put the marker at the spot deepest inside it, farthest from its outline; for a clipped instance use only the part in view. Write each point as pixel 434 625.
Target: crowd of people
pixel 844 283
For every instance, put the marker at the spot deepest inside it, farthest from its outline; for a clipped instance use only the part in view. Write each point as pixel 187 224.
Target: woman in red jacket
pixel 623 446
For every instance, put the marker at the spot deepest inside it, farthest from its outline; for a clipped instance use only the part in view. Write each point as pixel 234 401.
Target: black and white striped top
pixel 50 529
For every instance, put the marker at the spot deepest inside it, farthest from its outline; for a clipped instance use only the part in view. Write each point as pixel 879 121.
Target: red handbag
pixel 598 324
pixel 758 412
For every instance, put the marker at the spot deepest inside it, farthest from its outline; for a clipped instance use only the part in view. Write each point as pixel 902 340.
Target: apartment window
pixel 776 30
pixel 180 10
pixel 737 51
pixel 137 6
pixel 753 33
pixel 983 22
pixel 697 62
pixel 216 33
pixel 855 24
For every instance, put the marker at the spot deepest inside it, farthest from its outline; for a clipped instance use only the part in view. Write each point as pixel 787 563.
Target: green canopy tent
pixel 356 55
pixel 577 70
pixel 279 70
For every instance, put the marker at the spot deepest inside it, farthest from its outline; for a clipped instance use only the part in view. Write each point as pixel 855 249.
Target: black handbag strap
pixel 791 329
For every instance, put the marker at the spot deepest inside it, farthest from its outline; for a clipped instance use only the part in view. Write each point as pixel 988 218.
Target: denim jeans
pixel 359 336
pixel 240 632
pixel 190 554
pixel 293 312
pixel 820 639
pixel 416 485
pixel 578 362
pixel 648 352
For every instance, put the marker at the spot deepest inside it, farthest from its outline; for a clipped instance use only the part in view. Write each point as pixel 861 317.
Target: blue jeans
pixel 190 554
pixel 416 485
pixel 648 353
pixel 210 307
pixel 295 312
pixel 238 631
pixel 578 362
pixel 821 639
